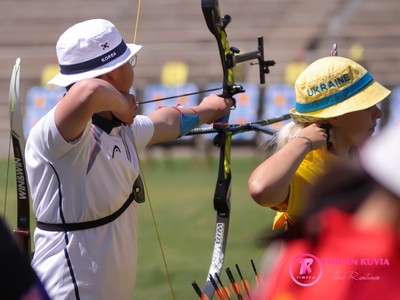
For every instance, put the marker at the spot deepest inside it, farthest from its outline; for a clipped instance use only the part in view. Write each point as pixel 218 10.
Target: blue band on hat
pixel 336 98
pixel 95 62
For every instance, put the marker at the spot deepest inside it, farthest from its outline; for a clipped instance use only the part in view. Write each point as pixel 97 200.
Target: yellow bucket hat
pixel 333 86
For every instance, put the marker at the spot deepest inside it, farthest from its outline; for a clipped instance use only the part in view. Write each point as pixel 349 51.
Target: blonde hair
pixel 289 130
pixel 285 133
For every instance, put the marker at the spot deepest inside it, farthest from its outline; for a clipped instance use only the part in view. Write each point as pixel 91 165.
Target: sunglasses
pixel 133 60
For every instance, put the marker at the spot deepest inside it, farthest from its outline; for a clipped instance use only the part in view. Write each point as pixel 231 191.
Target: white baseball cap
pixel 90 49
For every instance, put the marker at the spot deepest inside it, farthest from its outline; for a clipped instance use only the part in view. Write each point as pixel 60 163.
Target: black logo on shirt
pixel 116 149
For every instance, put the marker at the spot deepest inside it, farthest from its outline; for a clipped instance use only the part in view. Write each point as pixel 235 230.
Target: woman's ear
pixel 333 121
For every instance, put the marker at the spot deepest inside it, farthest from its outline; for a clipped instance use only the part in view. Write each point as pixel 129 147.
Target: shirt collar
pixel 105 124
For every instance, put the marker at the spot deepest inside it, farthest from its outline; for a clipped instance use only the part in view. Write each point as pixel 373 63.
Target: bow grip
pixel 224 121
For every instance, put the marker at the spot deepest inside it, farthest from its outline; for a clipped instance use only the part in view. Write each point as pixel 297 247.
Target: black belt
pixel 137 195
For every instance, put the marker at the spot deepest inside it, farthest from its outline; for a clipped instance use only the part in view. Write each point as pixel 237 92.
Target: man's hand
pixel 218 105
pixel 128 115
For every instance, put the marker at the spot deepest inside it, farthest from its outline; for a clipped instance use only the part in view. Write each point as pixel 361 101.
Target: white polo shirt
pixel 84 181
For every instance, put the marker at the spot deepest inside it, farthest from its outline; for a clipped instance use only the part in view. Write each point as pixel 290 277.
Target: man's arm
pixel 167 120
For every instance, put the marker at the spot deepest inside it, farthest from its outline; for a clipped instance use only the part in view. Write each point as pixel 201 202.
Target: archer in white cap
pixel 83 167
pixel 336 111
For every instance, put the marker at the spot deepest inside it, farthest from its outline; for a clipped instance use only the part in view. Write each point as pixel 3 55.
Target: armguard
pixel 188 122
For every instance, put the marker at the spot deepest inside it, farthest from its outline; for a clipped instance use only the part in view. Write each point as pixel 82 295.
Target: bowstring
pixel 137 21
pixel 143 177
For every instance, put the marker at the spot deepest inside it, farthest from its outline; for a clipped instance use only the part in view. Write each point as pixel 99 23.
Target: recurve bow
pixel 22 233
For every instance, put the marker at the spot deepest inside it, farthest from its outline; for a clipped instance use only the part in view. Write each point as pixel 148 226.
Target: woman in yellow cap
pixel 336 111
pixel 346 245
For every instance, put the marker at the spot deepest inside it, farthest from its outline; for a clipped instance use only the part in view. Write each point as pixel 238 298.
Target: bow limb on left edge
pixel 22 233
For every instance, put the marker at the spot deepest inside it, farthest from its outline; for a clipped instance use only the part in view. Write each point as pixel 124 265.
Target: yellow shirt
pixel 311 168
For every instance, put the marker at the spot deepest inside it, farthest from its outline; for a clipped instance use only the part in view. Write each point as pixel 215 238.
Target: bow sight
pixel 258 54
pixel 230 55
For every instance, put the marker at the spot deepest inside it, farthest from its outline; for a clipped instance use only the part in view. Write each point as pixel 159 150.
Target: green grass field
pixel 181 193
